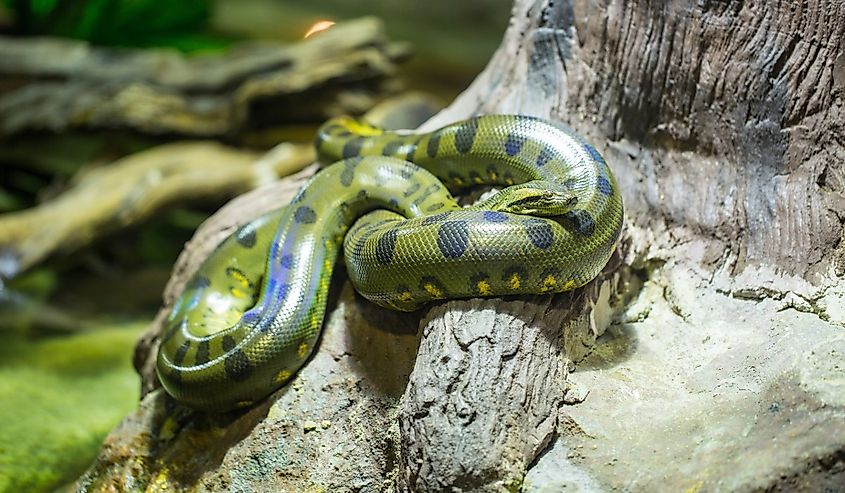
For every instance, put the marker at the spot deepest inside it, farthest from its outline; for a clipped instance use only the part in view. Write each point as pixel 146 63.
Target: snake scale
pixel 251 316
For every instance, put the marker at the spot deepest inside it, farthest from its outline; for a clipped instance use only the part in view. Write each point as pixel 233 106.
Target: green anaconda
pixel 252 314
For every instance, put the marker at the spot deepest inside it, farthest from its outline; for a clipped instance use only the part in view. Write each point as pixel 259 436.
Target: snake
pixel 251 316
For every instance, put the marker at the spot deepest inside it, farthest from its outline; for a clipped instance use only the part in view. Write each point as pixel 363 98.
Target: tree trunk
pixel 721 358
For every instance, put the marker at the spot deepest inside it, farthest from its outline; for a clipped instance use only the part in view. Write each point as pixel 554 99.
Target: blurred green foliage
pixel 179 24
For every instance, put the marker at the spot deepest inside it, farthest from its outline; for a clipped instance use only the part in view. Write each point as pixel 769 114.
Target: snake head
pixel 536 198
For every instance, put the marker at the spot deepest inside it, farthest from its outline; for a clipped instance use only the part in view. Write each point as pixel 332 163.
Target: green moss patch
pixel 59 397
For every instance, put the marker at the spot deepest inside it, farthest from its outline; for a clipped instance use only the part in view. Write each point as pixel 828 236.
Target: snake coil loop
pixel 252 314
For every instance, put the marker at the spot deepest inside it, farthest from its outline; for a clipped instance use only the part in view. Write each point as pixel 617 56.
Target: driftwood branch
pixel 59 84
pixel 724 346
pixel 132 189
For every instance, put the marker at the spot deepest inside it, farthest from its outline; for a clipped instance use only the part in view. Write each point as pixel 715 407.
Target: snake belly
pixel 251 315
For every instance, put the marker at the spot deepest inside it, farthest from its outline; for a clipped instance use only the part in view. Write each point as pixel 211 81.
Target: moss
pixel 60 396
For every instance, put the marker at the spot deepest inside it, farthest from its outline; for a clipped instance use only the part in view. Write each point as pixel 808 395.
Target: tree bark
pixel 720 361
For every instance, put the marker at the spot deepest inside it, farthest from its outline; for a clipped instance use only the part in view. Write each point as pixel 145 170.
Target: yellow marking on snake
pixel 281 263
pixel 283 376
pixel 483 288
pixel 432 290
pixel 239 278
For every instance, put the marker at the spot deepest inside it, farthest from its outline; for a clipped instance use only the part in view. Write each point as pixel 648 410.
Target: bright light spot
pixel 318 26
pixel 218 303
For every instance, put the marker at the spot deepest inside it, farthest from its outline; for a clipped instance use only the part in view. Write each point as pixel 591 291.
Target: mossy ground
pixel 59 397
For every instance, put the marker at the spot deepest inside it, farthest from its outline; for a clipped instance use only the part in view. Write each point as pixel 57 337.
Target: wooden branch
pixel 60 84
pixel 134 188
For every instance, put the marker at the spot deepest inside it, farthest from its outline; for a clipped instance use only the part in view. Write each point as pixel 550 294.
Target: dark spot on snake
pixel 495 216
pixel 408 170
pixel 362 195
pixel 414 188
pixel 352 148
pixel 477 281
pixel 237 366
pixel 453 238
pixel 604 186
pixel 435 207
pixel 365 235
pixel 513 144
pixel 202 352
pixel 475 177
pixel 434 218
pixel 515 277
pixel 391 148
pixel 412 149
pixel 551 281
pixel 539 232
pixel 385 246
pixel 282 290
pixel 393 202
pixel 305 215
pixel 456 177
pixel 594 153
pixel 433 144
pixel 433 287
pixel 246 236
pixel 228 343
pixel 465 136
pixel 434 187
pixel 545 156
pixel 570 183
pixel 346 176
pixel 580 221
pixel 348 173
pixel 199 282
pixel 286 261
pixel 180 353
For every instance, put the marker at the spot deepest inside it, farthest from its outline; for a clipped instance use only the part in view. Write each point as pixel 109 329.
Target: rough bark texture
pixel 722 368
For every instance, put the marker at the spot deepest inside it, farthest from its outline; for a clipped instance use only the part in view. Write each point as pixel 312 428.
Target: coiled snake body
pixel 251 315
